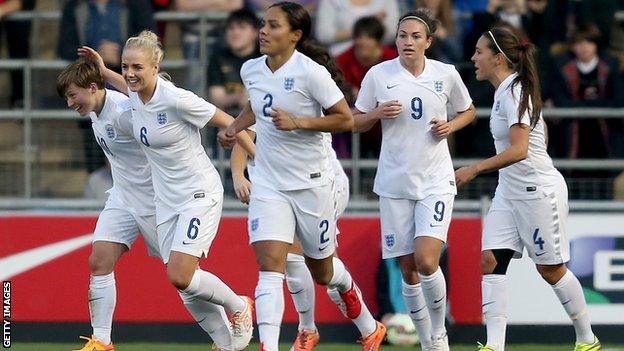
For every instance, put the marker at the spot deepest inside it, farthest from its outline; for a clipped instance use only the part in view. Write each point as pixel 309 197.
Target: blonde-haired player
pixel 188 191
pixel 415 180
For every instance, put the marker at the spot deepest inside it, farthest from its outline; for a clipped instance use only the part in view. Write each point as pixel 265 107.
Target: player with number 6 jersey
pixel 415 180
pixel 188 191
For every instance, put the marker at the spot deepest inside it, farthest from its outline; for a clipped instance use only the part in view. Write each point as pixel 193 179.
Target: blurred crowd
pixel 580 45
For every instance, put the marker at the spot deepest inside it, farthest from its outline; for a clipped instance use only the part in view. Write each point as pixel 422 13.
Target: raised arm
pixel 113 78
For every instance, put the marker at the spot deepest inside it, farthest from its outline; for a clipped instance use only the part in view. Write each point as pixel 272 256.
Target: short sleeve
pixel 459 96
pixel 511 103
pixel 323 88
pixel 195 110
pixel 366 99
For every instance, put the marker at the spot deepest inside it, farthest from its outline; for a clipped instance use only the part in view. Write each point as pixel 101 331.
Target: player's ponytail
pixel 520 57
pixel 148 41
pixel 299 19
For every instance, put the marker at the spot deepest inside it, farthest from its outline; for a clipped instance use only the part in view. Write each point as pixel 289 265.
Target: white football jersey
pixel 534 176
pixel 413 163
pixel 168 129
pixel 132 176
pixel 290 160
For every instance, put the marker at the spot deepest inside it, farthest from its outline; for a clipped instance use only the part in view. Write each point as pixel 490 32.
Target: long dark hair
pixel 299 19
pixel 520 57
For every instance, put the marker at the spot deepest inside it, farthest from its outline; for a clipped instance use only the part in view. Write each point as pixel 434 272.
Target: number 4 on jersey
pixel 537 240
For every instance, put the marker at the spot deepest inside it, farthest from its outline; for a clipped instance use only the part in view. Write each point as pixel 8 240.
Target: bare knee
pixel 178 277
pixel 270 262
pixel 408 269
pixel 322 270
pixel 100 263
pixel 488 262
pixel 551 273
pixel 426 264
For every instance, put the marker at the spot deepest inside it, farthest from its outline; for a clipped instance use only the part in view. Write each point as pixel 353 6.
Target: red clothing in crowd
pixel 354 71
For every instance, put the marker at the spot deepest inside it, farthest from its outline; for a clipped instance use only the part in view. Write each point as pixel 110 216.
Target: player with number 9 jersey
pixel 415 179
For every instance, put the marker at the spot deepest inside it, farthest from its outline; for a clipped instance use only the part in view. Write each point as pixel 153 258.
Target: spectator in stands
pixel 191 34
pixel 589 79
pixel 103 25
pixel 225 87
pixel 447 43
pixel 263 5
pixel 528 19
pixel 335 19
pixel 367 51
pixel 18 42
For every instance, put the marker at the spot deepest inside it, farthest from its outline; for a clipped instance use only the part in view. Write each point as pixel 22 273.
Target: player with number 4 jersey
pixel 415 180
pixel 530 208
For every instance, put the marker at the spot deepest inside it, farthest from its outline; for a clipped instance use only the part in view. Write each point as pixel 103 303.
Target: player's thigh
pixel 500 230
pixel 116 225
pixel 397 226
pixel 432 216
pixel 315 220
pixel 270 216
pixel 542 227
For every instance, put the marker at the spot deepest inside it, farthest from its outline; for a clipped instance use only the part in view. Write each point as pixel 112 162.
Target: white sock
pixel 269 298
pixel 102 300
pixel 434 290
pixel 342 282
pixel 208 287
pixel 570 293
pixel 494 306
pixel 211 318
pixel 417 307
pixel 301 288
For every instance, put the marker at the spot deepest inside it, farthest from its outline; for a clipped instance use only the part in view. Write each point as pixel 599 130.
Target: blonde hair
pixel 148 41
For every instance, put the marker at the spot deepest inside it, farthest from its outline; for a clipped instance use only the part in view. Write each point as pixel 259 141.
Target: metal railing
pixel 356 164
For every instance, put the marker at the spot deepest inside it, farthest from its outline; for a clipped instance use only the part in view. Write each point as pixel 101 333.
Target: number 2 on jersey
pixel 324 226
pixel 144 136
pixel 417 108
pixel 268 102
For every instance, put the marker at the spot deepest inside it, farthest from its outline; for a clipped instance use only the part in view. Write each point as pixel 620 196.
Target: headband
pixel 498 47
pixel 416 18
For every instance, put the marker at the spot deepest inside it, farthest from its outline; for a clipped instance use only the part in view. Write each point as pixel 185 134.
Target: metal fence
pixel 44 151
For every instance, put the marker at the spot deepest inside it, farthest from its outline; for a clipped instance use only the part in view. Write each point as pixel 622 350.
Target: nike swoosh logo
pixel 186 243
pixel 95 299
pixel 322 248
pixel 418 310
pixel 29 259
pixel 563 303
pixel 391 86
pixel 296 292
pixel 487 303
pixel 440 299
pixel 539 254
pixel 433 226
